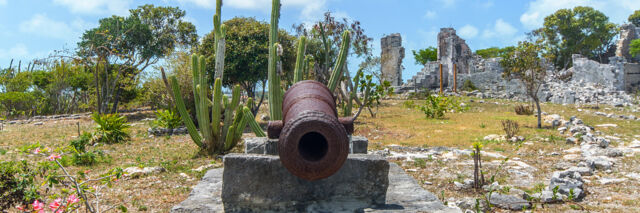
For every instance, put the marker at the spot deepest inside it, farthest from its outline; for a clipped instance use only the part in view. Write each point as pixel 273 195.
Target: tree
pixel 525 63
pixel 324 41
pixel 583 30
pixel 246 55
pixel 494 52
pixel 634 49
pixel 425 55
pixel 133 43
pixel 635 18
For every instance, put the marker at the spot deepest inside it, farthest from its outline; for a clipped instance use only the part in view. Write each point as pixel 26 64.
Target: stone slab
pixel 403 194
pixel 265 146
pixel 259 183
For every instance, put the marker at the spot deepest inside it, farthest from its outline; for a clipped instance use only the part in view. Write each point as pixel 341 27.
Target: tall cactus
pixel 342 58
pixel 275 93
pixel 300 59
pixel 217 135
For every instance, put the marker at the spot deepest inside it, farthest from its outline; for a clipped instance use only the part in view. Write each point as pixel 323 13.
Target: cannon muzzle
pixel 313 142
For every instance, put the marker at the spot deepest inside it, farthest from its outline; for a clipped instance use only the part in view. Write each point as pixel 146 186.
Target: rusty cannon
pixel 313 143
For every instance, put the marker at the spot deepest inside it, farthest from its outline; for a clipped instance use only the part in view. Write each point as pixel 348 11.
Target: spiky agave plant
pixel 217 134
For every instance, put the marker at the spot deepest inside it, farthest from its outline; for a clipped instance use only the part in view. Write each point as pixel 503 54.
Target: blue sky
pixel 34 28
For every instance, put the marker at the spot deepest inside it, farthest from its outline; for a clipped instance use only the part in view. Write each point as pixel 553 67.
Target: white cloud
pixel 468 31
pixel 40 24
pixel 448 3
pixel 617 10
pixel 430 14
pixel 501 29
pixel 3 2
pixel 310 9
pixel 118 7
pixel 17 51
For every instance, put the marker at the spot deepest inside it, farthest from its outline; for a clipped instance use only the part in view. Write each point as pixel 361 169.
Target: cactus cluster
pixel 221 120
pixel 275 89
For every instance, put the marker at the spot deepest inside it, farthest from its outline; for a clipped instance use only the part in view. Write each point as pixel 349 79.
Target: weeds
pixel 523 110
pixel 511 128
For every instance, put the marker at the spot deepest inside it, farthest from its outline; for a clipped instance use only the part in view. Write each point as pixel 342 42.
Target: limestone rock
pixel 391 59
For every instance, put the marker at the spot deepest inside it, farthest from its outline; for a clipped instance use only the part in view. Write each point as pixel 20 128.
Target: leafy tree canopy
pixel 581 30
pixel 425 55
pixel 247 53
pixel 494 52
pixel 635 18
pixel 635 48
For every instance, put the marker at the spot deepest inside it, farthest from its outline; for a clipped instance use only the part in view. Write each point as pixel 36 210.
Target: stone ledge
pixel 403 193
pixel 357 145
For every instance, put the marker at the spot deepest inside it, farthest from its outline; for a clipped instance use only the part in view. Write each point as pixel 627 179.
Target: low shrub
pixel 437 106
pixel 523 110
pixel 410 104
pixel 468 86
pixel 511 128
pixel 167 119
pixel 112 128
pixel 17 185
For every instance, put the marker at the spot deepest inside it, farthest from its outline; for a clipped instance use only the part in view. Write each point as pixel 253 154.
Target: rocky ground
pixel 593 171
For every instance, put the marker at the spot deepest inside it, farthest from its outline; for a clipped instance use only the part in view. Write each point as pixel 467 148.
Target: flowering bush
pixel 62 191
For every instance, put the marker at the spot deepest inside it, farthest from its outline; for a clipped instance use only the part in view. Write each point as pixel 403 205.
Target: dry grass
pixel 393 125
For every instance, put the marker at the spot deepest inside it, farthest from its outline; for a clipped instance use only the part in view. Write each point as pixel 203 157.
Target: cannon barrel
pixel 313 142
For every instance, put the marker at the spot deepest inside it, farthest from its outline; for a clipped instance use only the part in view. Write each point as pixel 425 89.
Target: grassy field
pixel 393 124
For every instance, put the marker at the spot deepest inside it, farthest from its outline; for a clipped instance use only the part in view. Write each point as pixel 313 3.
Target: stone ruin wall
pixel 609 80
pixel 391 59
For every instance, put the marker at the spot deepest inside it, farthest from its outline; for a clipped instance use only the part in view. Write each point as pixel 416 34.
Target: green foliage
pixel 468 86
pixel 424 56
pixel 581 30
pixel 634 49
pixel 111 128
pixel 494 52
pixel 80 144
pixel 122 47
pixel 167 119
pixel 526 64
pixel 246 55
pixel 275 91
pixel 635 18
pixel 437 106
pixel 17 184
pixel 409 104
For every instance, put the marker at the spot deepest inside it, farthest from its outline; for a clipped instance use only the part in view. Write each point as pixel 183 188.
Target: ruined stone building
pixel 391 59
pixel 589 81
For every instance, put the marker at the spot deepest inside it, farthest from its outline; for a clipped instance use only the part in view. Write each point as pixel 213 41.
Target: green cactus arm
pixel 229 138
pixel 339 66
pixel 220 54
pixel 327 46
pixel 353 94
pixel 306 68
pixel 240 121
pixel 228 113
pixel 196 81
pixel 297 76
pixel 186 118
pixel 217 107
pixel 275 104
pixel 203 117
pixel 251 120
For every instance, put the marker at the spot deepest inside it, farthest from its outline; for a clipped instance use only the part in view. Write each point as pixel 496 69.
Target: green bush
pixel 80 144
pixel 409 104
pixel 468 86
pixel 86 159
pixel 167 119
pixel 17 186
pixel 437 106
pixel 112 128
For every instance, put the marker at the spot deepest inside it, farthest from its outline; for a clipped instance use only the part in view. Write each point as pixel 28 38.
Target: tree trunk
pixel 539 112
pixel 116 100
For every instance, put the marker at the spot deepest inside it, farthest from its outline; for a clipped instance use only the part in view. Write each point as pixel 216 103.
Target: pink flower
pixel 37 151
pixel 38 206
pixel 53 157
pixel 72 199
pixel 55 205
